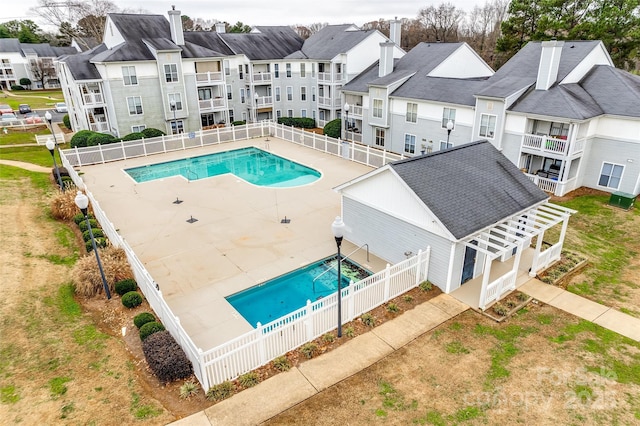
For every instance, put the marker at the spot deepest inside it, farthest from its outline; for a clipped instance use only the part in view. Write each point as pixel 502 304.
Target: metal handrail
pixel 194 173
pixel 345 257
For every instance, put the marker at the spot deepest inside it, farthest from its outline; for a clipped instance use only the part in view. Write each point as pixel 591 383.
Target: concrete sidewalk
pixel 604 316
pixel 285 390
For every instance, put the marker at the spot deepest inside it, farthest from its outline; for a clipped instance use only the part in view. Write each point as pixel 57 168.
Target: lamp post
pixel 346 120
pixel 449 129
pixel 51 147
pixel 338 231
pixel 82 201
pixel 256 97
pixel 174 127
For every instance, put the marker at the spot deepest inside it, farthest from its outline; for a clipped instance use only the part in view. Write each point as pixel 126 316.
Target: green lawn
pixel 37 99
pixel 31 154
pixel 15 137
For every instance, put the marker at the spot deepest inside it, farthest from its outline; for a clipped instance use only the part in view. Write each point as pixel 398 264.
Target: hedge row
pixel 90 138
pixel 302 122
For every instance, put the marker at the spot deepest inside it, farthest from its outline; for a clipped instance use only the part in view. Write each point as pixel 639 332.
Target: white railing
pixel 209 77
pixel 261 77
pixel 350 150
pixel 93 98
pixel 355 111
pixel 99 126
pixel 259 346
pixel 326 77
pixel 42 139
pixel 497 288
pixel 264 101
pixel 328 102
pixel 547 144
pixel 547 257
pixel 547 185
pixel 577 146
pixel 215 103
pixel 278 337
pixel 353 136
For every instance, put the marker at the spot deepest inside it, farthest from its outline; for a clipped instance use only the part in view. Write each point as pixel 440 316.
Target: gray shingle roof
pixel 270 43
pixel 449 90
pixel 206 40
pixel 332 40
pixel 469 187
pixel 10 45
pixel 42 50
pixel 615 91
pixel 566 100
pixel 80 64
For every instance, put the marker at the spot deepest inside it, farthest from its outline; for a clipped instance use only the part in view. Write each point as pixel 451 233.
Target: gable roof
pixel 469 187
pixel 42 50
pixel 615 91
pixel 80 65
pixel 330 41
pixel 270 43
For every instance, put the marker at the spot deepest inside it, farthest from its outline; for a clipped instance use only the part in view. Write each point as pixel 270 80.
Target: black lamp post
pixel 449 129
pixel 338 231
pixel 82 201
pixel 172 105
pixel 51 147
pixel 346 121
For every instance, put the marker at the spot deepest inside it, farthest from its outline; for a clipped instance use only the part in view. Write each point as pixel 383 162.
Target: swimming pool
pixel 250 164
pixel 280 296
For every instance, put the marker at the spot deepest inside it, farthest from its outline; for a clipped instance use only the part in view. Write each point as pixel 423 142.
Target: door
pixel 469 263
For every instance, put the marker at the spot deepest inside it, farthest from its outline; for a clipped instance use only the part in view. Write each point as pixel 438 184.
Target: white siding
pixel 463 63
pixel 597 56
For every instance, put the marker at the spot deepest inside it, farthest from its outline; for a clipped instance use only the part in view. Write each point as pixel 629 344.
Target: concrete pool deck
pixel 238 240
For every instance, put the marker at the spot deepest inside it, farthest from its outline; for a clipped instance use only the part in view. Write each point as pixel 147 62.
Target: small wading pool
pixel 280 296
pixel 250 164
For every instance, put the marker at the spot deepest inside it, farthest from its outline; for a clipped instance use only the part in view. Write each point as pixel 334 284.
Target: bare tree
pixel 85 16
pixel 381 25
pixel 42 70
pixel 314 28
pixel 441 22
pixel 302 31
pixel 482 28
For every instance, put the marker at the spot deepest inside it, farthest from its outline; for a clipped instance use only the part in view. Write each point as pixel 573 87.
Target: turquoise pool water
pixel 280 296
pixel 250 164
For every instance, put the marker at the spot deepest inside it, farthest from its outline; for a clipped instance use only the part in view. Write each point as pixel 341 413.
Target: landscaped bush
pixel 165 357
pixel 238 123
pixel 63 205
pixel 303 122
pixel 66 121
pixel 100 243
pixel 83 225
pixel 143 318
pixel 100 139
pixel 125 286
pixel 17 87
pixel 149 328
pixel 333 128
pixel 309 350
pixel 67 182
pixel 152 133
pixel 249 380
pixel 131 299
pixel 81 138
pixel 77 218
pixel 133 136
pixel 97 233
pixel 24 81
pixel 86 277
pixel 219 392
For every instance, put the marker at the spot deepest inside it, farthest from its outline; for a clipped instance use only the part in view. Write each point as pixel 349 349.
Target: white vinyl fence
pixel 349 150
pixel 259 346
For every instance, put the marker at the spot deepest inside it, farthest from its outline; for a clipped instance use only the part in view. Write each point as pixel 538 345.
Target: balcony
pixel 262 77
pixel 543 144
pixel 91 99
pixel 264 102
pixel 99 126
pixel 209 78
pixel 355 111
pixel 328 102
pixel 552 185
pixel 212 104
pixel 326 77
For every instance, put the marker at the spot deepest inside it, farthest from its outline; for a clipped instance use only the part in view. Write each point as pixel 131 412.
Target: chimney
pixel 395 28
pixel 175 23
pixel 549 64
pixel 220 27
pixel 385 66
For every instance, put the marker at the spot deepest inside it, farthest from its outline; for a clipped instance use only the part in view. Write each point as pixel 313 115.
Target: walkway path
pixel 285 390
pixel 7 93
pixel 26 166
pixel 602 315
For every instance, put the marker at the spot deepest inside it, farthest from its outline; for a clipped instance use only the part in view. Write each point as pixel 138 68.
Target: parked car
pixel 61 107
pixel 24 109
pixel 33 118
pixel 8 117
pixel 5 109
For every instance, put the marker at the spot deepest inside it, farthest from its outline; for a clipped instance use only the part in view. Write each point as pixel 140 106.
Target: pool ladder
pixel 193 173
pixel 336 263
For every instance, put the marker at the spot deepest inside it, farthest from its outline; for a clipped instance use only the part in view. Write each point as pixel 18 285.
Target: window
pixel 445 144
pixel 177 98
pixel 171 73
pixel 289 113
pixel 177 126
pixel 610 175
pixel 409 143
pixel 487 125
pixel 278 113
pixel 313 114
pixel 225 64
pixel 313 93
pixel 231 120
pixel 303 113
pixel 240 72
pixel 276 70
pixel 129 76
pixel 246 69
pixel 412 112
pixel 379 137
pixel 277 94
pixel 242 96
pixel 204 94
pixel 303 93
pixel 289 93
pixel 137 129
pixel 135 105
pixel 229 92
pixel 313 70
pixel 448 114
pixel 377 108
pixel 303 71
pixel 559 130
pixel 288 70
pixel 244 116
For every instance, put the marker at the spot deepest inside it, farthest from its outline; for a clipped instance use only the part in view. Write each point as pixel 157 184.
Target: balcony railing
pixel 547 144
pixel 211 104
pixel 99 126
pixel 328 102
pixel 326 77
pixel 355 111
pixel 264 101
pixel 93 98
pixel 262 77
pixel 209 77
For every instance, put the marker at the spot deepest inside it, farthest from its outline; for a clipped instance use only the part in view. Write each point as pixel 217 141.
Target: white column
pixel 485 281
pixel 536 255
